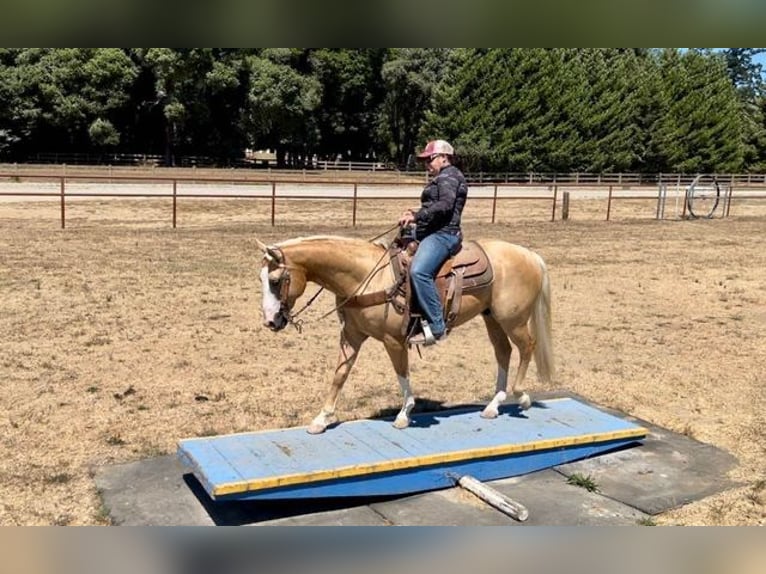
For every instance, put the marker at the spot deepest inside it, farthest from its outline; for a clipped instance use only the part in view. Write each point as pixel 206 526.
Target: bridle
pixel 282 286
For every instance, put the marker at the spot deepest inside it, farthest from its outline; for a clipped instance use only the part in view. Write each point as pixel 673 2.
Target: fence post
pixel 727 201
pixel 353 209
pixel 273 201
pixel 494 204
pixel 174 203
pixel 662 192
pixel 609 204
pixel 63 207
pixel 565 206
pixel 555 198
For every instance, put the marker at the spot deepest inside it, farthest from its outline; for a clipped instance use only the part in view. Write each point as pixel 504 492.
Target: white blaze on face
pixel 271 304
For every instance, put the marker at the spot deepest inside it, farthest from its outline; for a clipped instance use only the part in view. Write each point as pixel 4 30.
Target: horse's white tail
pixel 540 324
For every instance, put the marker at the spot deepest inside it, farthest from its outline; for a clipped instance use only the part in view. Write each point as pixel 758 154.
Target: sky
pixel 761 59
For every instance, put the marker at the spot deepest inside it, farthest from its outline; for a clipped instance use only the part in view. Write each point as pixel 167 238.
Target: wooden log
pixel 494 498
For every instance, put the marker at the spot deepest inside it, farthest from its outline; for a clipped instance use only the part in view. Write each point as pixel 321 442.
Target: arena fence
pixel 704 190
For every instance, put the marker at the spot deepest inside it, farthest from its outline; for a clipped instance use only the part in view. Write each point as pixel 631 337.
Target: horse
pixel 515 306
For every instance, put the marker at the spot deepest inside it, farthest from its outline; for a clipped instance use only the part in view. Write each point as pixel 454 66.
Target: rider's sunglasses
pixel 433 157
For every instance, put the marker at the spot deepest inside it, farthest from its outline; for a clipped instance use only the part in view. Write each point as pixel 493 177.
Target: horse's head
pixel 281 285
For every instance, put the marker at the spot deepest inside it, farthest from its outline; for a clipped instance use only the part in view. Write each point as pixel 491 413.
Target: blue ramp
pixel 371 458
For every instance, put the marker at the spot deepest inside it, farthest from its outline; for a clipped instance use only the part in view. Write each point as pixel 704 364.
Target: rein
pixel 299 323
pixel 363 284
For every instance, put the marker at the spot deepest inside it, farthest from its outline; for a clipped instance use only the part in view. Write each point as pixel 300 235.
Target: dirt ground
pixel 121 335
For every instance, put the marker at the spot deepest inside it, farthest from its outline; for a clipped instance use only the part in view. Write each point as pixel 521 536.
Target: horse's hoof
pixel 401 423
pixel 314 428
pixel 489 413
pixel 524 401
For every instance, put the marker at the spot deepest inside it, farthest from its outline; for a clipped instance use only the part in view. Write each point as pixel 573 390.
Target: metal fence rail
pixel 281 187
pixel 361 171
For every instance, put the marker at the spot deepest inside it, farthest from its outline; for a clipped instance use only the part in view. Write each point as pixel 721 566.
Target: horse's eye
pixel 274 278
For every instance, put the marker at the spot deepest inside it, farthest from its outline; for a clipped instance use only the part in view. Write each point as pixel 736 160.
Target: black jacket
pixel 442 203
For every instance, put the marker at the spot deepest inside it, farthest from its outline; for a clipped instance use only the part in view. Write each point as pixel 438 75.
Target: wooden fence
pixel 295 186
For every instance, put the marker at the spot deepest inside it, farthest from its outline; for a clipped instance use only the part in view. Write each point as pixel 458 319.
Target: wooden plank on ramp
pixel 371 458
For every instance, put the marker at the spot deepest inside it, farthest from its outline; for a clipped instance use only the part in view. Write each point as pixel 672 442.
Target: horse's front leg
pixel 401 361
pixel 350 344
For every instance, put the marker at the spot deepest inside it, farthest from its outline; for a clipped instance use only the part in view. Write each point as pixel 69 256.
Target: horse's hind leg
pixel 522 338
pixel 349 350
pixel 503 351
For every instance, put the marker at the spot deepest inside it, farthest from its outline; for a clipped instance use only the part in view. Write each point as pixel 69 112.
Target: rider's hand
pixel 406 218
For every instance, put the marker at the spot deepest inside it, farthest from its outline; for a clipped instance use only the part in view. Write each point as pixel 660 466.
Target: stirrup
pixel 426 338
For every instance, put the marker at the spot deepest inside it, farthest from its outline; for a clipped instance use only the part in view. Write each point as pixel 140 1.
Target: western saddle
pixel 467 271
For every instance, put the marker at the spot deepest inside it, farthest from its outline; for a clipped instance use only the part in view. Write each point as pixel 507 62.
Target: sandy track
pixel 121 335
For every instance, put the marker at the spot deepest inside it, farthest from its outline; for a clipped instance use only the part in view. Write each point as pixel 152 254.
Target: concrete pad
pixel 161 492
pixel 451 507
pixel 551 501
pixel 150 492
pixel 667 471
pixel 356 516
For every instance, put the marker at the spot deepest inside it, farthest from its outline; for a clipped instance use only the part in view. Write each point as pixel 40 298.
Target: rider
pixel 437 224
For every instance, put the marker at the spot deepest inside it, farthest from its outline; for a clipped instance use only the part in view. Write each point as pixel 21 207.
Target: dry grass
pixel 121 336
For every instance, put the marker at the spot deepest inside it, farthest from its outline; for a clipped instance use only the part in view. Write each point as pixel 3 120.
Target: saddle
pixel 468 270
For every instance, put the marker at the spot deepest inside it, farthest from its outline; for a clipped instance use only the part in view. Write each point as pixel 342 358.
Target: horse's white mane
pixel 296 240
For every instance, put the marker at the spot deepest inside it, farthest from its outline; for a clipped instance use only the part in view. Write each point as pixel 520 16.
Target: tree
pixel 64 90
pixel 192 101
pixel 351 93
pixel 16 121
pixel 281 105
pixel 747 77
pixel 176 73
pixel 614 108
pixel 479 116
pixel 103 133
pixel 513 109
pixel 746 74
pixel 409 77
pixel 701 130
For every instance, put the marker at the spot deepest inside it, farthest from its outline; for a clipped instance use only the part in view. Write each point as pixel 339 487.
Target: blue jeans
pixel 432 252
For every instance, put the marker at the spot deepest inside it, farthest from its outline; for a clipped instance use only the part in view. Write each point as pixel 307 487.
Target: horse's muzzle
pixel 278 323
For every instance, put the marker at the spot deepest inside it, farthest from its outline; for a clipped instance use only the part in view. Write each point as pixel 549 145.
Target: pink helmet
pixel 435 147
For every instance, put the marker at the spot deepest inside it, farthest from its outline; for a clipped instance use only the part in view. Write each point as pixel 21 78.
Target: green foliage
pixel 509 109
pixel 281 102
pixel 701 125
pixel 103 133
pixel 585 482
pixel 747 77
pixel 351 94
pixel 593 110
pixel 410 76
pixel 55 94
pixel 611 125
pixel 745 73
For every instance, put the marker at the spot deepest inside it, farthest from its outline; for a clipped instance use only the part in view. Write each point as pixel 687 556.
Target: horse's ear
pixel 274 255
pixel 268 252
pixel 261 245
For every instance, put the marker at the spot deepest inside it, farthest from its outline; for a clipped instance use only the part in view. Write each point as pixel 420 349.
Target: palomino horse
pixel 515 305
